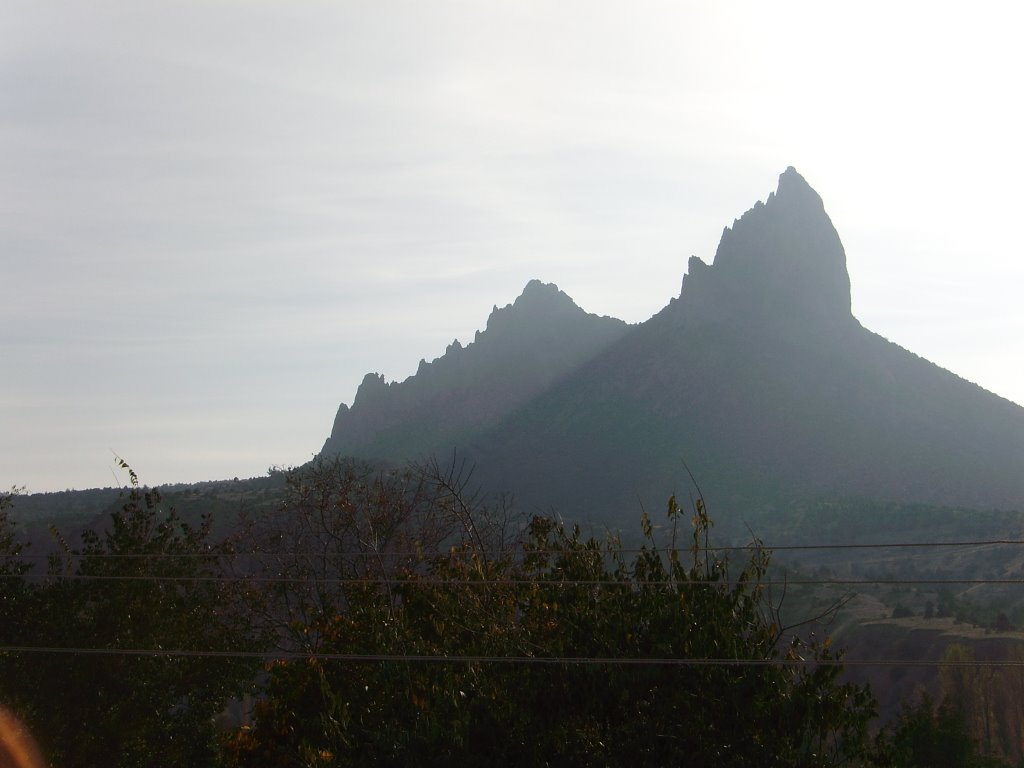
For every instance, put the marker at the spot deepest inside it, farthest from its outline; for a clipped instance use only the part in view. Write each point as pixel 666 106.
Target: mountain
pixel 757 376
pixel 527 347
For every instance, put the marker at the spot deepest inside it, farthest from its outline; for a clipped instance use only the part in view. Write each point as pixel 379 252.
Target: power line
pixel 488 659
pixel 456 552
pixel 469 582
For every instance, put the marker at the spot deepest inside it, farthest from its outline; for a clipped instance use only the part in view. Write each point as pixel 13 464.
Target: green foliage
pixel 929 736
pixel 561 650
pixel 989 702
pixel 12 583
pixel 10 547
pixel 145 585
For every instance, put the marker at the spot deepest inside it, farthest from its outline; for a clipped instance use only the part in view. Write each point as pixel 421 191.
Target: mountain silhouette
pixel 757 378
pixel 527 347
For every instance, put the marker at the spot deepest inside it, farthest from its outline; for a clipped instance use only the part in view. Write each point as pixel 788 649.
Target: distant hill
pixel 757 376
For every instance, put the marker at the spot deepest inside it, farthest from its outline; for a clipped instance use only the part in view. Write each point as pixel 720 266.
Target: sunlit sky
pixel 216 217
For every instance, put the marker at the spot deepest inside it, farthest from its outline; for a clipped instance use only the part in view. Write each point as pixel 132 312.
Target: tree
pixel 562 650
pixel 10 547
pixel 13 590
pixel 12 567
pixel 128 617
pixel 930 736
pixel 986 700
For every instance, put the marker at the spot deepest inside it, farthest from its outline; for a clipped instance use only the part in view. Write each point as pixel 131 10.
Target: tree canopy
pixel 550 648
pixel 404 620
pixel 113 671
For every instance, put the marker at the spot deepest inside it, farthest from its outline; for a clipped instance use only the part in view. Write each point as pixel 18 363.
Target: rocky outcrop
pixel 781 265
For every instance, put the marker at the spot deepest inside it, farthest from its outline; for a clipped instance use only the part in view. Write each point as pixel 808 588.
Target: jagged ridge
pixel 526 347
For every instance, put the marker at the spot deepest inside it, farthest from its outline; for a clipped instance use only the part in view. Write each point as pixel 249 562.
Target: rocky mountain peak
pixel 793 187
pixel 537 291
pixel 540 298
pixel 781 262
pixel 532 313
pixel 373 387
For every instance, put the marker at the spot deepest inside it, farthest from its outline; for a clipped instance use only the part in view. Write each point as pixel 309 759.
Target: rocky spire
pixel 780 263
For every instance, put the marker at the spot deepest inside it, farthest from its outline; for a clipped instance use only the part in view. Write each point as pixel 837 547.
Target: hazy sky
pixel 215 217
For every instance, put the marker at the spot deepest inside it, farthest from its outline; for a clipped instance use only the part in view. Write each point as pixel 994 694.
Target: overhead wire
pixel 485 582
pixel 456 551
pixel 492 659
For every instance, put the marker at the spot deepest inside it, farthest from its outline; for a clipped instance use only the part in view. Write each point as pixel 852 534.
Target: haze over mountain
pixel 758 376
